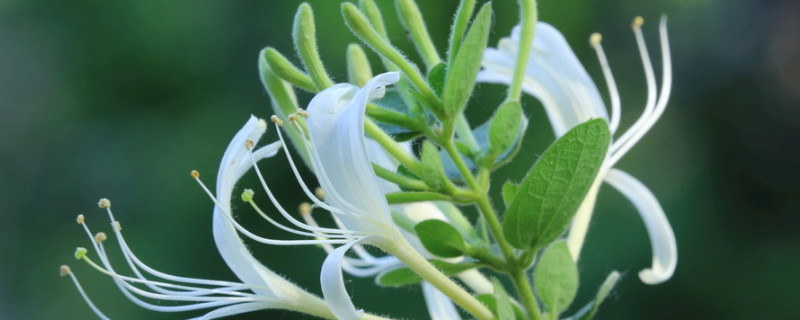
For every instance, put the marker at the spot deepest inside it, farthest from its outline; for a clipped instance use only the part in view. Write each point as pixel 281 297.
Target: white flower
pixel 260 287
pixel 555 76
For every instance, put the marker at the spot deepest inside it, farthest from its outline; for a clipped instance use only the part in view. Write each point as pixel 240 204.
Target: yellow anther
pixel 293 119
pixel 64 270
pixel 637 22
pixel 104 203
pixel 249 144
pixel 80 219
pixel 195 174
pixel 595 39
pixel 117 226
pixel 302 113
pixel 100 237
pixel 319 193
pixel 276 120
pixel 305 208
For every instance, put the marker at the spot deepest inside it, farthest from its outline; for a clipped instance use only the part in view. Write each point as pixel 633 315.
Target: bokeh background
pixel 121 99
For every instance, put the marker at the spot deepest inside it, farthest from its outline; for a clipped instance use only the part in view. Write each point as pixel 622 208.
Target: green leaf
pixel 391 104
pixel 464 68
pixel 555 187
pixel 501 133
pixel 556 278
pixel 436 78
pixel 504 309
pixel 440 238
pixel 489 300
pixel 432 170
pixel 402 276
pixel 481 135
pixel 509 191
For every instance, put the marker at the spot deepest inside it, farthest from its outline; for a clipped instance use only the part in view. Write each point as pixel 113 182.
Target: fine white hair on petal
pixel 440 307
pixel 662 238
pixel 332 283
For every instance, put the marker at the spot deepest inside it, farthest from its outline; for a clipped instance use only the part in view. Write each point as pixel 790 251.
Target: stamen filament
pixel 66 271
pixel 134 261
pixel 613 92
pixel 651 88
pixel 302 183
pixel 262 239
pixel 286 214
pixel 660 105
pixel 290 230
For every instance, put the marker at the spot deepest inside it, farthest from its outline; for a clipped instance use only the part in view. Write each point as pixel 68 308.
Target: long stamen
pixel 133 261
pixel 128 290
pixel 249 234
pixel 302 183
pixel 613 92
pixel 65 271
pixel 348 209
pixel 651 88
pixel 247 196
pixel 663 97
pixel 280 208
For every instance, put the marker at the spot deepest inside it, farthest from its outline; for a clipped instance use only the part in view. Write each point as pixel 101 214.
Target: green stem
pixel 404 252
pixel 525 291
pixel 451 150
pixel 464 133
pixel 528 18
pixel 399 179
pixel 408 197
pixel 391 146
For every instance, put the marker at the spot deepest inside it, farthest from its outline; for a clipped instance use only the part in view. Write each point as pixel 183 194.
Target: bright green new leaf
pixel 432 170
pixel 488 300
pixel 501 133
pixel 605 289
pixel 504 309
pixel 464 68
pixel 555 187
pixel 556 278
pixel 440 238
pixel 509 191
pixel 436 78
pixel 402 276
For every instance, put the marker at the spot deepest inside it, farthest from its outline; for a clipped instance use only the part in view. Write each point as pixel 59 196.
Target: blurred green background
pixel 122 99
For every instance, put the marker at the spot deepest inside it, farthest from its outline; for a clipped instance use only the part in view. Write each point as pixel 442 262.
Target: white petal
pixel 553 75
pixel 332 283
pixel 440 307
pixel 235 162
pixel 662 239
pixel 340 159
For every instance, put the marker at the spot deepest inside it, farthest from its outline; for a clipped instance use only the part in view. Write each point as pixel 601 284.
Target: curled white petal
pixel 235 163
pixel 662 238
pixel 332 283
pixel 553 75
pixel 336 129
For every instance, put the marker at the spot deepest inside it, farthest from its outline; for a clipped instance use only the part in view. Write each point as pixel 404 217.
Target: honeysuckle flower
pixel 260 288
pixel 569 96
pixel 353 193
